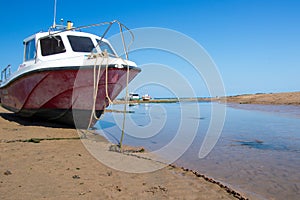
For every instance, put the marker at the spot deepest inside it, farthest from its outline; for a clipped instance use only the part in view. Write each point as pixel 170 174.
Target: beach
pixel 284 98
pixel 40 160
pixel 43 160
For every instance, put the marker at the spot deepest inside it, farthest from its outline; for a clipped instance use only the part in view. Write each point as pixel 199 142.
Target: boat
pixel 146 97
pixel 134 97
pixel 67 76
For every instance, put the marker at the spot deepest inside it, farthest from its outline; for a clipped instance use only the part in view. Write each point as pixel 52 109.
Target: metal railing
pixel 5 73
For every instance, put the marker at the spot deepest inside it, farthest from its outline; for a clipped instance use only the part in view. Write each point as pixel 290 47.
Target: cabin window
pixel 81 44
pixel 52 45
pixel 105 46
pixel 30 50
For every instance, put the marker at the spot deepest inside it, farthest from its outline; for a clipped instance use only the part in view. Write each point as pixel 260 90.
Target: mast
pixel 54 20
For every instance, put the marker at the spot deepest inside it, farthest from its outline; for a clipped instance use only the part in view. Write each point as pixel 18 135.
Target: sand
pixel 287 98
pixel 60 167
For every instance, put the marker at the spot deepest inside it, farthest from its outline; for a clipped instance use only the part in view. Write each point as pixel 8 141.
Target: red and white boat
pixel 66 76
pixel 146 97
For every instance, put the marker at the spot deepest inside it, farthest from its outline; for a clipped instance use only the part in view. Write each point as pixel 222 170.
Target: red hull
pixel 63 94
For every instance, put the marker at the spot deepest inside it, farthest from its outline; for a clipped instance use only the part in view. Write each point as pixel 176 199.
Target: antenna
pixel 54 20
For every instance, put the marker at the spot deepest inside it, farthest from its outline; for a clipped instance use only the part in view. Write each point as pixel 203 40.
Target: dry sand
pixel 287 98
pixel 64 169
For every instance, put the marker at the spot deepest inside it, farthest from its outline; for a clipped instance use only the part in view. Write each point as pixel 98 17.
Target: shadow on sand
pixel 32 121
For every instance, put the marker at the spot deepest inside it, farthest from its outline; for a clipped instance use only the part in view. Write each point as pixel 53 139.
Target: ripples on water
pixel 257 153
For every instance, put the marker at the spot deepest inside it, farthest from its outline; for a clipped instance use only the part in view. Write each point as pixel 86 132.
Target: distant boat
pixel 134 96
pixel 66 76
pixel 146 97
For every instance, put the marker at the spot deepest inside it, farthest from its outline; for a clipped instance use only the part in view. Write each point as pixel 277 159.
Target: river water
pixel 257 153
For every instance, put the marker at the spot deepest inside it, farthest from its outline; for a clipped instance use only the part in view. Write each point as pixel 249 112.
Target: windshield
pixel 105 46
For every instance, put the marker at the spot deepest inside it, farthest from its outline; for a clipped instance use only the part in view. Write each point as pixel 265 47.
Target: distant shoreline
pixel 164 100
pixel 283 98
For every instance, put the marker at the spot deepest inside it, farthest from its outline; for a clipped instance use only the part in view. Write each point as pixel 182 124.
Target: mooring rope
pixel 126 90
pixel 104 55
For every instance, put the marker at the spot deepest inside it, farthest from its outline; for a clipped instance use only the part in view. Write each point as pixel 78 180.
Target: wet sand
pixel 56 165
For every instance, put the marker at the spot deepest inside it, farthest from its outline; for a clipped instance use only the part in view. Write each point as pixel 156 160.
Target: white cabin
pixel 62 45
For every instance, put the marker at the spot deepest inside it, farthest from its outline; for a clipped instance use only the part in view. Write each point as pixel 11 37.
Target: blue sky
pixel 254 43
